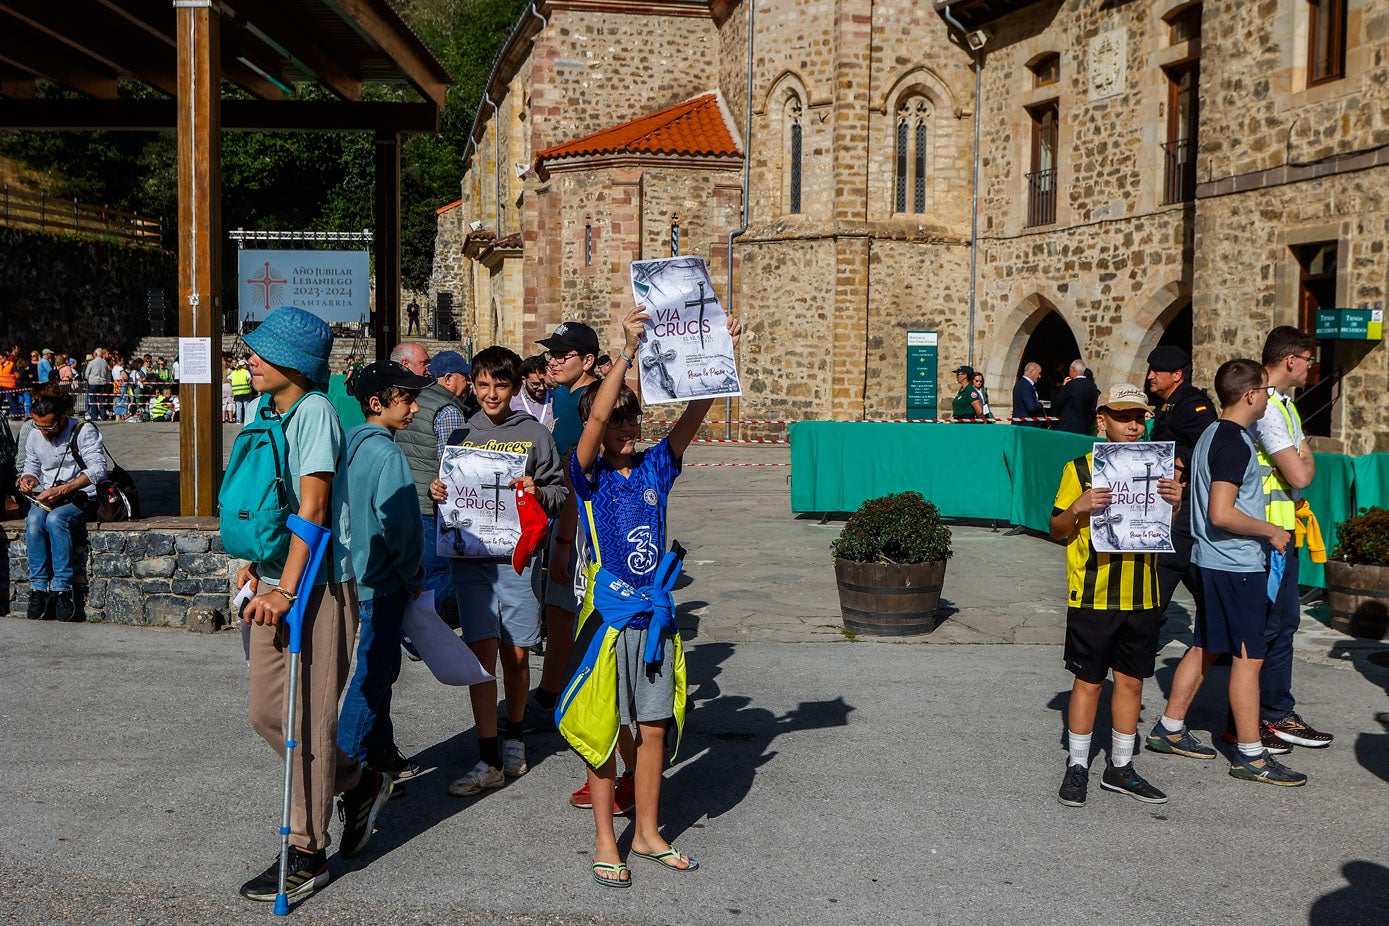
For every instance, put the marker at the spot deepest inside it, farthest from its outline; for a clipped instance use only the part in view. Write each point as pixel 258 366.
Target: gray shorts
pixel 564 594
pixel 644 694
pixel 494 602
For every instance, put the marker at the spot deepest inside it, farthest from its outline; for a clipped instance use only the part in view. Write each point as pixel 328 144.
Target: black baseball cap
pixel 381 375
pixel 1169 358
pixel 967 370
pixel 572 336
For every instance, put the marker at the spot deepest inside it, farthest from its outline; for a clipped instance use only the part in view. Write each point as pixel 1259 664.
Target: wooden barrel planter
pixel 1358 597
pixel 889 600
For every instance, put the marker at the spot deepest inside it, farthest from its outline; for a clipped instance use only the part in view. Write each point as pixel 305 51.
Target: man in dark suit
pixel 1025 401
pixel 1076 402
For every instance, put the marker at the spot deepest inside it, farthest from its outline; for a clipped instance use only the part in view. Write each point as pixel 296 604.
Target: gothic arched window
pixel 794 148
pixel 909 179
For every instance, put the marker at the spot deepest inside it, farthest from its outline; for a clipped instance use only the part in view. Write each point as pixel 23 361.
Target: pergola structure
pixel 186 49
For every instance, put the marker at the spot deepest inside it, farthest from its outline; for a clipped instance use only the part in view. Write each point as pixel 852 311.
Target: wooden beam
pixel 108 39
pixel 287 36
pixel 384 31
pixel 156 19
pixel 30 50
pixel 237 115
pixel 386 243
pixel 200 251
pixel 16 84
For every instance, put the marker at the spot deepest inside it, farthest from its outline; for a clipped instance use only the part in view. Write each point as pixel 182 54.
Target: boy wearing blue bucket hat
pixel 289 364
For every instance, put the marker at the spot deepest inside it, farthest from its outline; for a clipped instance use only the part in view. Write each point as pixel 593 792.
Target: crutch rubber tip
pixel 281 905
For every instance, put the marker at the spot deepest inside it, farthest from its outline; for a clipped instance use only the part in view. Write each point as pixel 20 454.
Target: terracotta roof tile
pixel 696 127
pixel 442 209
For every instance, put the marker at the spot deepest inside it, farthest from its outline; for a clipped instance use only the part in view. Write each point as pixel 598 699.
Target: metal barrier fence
pixel 41 212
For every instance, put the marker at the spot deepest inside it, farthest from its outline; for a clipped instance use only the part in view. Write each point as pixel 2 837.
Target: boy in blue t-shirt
pixel 623 493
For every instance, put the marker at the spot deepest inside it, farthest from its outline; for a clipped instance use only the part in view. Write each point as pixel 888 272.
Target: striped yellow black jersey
pixel 1102 581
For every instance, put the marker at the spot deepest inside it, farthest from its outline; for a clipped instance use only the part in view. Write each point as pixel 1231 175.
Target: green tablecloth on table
pixel 1009 473
pixel 986 471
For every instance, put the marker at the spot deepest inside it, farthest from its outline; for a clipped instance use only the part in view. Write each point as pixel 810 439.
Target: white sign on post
pixel 688 352
pixel 1138 519
pixel 195 361
pixel 479 517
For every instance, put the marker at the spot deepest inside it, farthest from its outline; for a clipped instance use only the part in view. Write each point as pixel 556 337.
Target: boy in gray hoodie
pixel 499 610
pixel 387 543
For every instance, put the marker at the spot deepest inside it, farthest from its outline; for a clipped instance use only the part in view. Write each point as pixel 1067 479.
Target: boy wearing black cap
pixel 968 403
pixel 1113 620
pixel 387 546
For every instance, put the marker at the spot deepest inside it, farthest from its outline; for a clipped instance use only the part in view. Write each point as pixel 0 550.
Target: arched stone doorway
pixel 1178 331
pixel 1051 344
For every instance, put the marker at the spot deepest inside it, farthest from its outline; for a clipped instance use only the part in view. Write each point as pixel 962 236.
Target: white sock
pixel 1121 748
pixel 1251 750
pixel 1080 748
pixel 1172 726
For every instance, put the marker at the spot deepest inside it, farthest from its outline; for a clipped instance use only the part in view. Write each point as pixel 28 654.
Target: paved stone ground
pixel 820 781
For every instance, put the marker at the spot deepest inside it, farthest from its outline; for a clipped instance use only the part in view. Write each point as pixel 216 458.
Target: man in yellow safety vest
pixel 1287 467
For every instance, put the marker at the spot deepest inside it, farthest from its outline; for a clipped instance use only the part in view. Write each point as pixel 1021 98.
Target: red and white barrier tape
pixel 766 421
pixel 722 440
pixel 687 465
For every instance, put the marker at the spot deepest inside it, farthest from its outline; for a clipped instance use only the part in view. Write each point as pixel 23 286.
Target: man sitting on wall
pixel 62 494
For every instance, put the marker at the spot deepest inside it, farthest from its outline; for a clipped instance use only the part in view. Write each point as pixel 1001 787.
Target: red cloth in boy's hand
pixel 533 526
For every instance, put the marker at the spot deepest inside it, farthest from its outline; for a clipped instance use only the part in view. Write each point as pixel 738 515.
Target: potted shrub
pixel 889 562
pixel 1357 575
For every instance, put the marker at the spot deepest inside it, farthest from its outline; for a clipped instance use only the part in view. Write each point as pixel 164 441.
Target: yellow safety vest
pixel 240 381
pixel 1281 507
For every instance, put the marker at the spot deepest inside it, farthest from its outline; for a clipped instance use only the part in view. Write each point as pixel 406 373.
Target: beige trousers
pixel 321 770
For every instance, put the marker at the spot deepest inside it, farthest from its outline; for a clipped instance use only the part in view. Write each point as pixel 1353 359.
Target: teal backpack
pixel 253 504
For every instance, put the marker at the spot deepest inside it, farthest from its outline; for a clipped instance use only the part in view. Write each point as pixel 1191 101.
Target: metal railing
pixel 1179 171
pixel 1041 197
pixel 41 212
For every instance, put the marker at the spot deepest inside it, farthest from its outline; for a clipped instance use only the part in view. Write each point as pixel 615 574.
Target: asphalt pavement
pixel 821 779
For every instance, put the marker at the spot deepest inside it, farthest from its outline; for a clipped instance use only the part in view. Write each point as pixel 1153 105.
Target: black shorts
pixel 1125 641
pixel 1236 614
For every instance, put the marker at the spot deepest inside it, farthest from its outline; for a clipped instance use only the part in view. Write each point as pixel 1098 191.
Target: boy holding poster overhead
pixel 632 668
pixel 498 609
pixel 1113 619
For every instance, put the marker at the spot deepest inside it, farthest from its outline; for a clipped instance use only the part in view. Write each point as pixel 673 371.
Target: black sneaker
pixel 358 808
pixel 1267 738
pixel 1292 729
pixel 64 606
pixel 1074 785
pixel 308 871
pixel 1266 769
pixel 40 605
pixel 396 765
pixel 1126 780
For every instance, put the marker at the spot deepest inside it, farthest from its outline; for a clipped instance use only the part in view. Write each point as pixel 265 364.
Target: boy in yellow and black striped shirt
pixel 1114 619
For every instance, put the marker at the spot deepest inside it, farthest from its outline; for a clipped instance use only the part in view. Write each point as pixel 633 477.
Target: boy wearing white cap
pixel 1113 620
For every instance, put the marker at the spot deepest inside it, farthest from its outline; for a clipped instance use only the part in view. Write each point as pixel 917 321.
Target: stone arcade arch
pixel 1042 334
pixel 1162 318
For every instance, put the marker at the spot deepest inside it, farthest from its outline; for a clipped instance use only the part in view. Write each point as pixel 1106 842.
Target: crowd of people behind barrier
pixel 106 385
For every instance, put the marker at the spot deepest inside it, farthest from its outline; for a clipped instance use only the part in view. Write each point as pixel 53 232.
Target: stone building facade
pixel 1164 172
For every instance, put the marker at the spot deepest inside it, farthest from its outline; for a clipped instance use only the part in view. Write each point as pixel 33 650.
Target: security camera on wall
pixel 977 39
pixel 475 226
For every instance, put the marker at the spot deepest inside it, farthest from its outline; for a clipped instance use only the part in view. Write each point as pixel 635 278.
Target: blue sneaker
pixel 1266 769
pixel 1181 743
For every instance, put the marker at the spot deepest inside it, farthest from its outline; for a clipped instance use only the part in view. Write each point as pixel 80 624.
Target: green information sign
pixel 921 374
pixel 1350 324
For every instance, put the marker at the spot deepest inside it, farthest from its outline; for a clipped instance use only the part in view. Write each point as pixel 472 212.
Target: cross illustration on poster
pixel 700 303
pixel 496 486
pixel 267 281
pixel 1148 479
pixel 1106 522
pixel 658 362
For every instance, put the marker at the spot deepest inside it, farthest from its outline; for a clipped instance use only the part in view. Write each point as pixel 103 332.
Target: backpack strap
pixel 1082 465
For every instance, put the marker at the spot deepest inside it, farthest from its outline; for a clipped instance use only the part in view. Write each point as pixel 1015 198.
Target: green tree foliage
pixel 310 180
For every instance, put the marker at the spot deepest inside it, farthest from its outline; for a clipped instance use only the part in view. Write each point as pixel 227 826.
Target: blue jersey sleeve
pixel 663 467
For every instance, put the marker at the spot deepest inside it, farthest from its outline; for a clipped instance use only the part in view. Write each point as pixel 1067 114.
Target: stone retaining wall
pixel 161 571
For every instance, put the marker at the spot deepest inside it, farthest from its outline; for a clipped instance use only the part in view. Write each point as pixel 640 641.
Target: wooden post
pixel 387 242
pixel 200 248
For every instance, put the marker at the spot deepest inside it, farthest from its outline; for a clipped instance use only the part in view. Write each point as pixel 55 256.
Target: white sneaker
pixel 514 758
pixel 481 777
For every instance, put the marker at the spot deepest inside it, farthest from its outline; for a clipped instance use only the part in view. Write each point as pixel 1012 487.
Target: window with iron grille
pixel 1179 151
pixel 910 159
pixel 794 153
pixel 1041 182
pixel 588 244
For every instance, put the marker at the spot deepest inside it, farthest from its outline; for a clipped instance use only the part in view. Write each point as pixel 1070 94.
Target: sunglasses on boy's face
pixel 627 421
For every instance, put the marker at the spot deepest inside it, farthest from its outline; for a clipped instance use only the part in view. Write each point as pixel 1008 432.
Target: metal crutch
pixel 316 536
